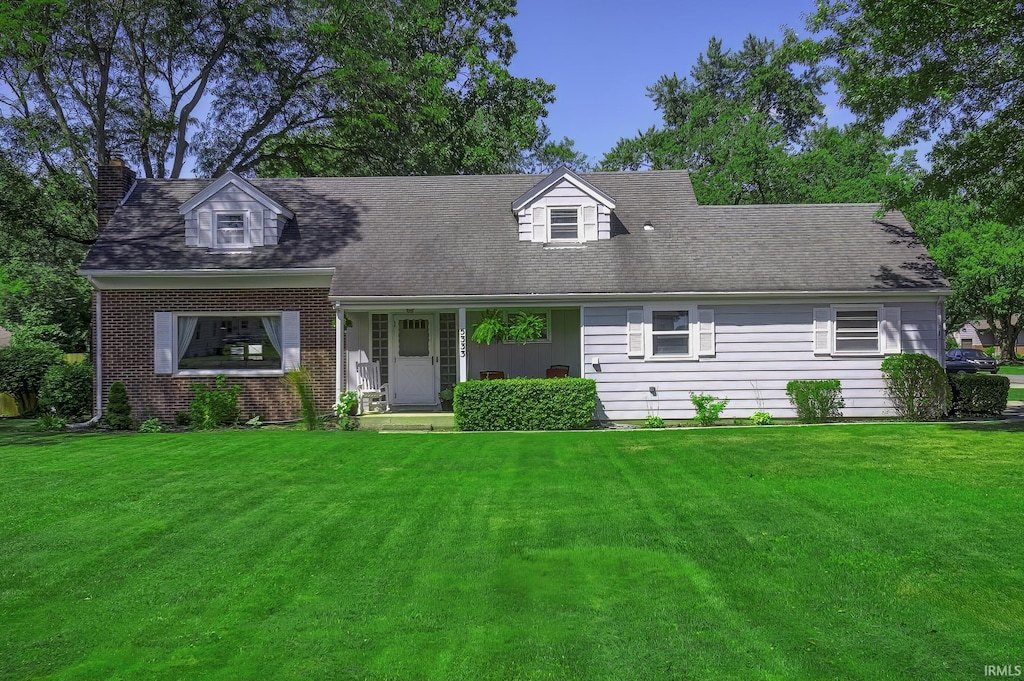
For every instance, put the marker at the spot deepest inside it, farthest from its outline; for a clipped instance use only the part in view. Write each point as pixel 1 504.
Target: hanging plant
pixel 524 327
pixel 520 327
pixel 490 328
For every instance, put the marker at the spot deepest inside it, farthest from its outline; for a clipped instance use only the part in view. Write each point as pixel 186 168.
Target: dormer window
pixel 232 215
pixel 231 230
pixel 565 224
pixel 563 210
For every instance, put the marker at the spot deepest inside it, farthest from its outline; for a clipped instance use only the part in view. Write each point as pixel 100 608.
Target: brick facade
pixel 127 328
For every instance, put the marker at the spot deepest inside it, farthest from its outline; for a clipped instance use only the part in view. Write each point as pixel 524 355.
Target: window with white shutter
pixel 670 332
pixel 635 333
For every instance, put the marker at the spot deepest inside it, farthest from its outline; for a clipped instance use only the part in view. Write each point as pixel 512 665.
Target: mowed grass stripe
pixel 837 552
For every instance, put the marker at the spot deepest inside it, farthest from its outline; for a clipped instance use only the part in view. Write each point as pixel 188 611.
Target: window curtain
pixel 186 329
pixel 272 327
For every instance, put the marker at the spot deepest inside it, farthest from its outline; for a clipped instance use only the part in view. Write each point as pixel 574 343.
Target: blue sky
pixel 602 54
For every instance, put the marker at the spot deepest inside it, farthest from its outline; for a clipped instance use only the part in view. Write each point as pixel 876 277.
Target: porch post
pixel 339 352
pixel 463 346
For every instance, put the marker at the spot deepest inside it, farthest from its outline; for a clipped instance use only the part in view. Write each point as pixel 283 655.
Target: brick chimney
pixel 112 184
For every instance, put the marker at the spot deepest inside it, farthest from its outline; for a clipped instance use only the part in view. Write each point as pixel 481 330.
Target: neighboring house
pixel 979 335
pixel 647 293
pixel 5 337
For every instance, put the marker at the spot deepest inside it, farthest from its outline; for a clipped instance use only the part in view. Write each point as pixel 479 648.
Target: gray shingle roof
pixel 406 236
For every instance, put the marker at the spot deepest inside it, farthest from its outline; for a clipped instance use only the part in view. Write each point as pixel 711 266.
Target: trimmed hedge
pixel 917 386
pixel 817 401
pixel 979 394
pixel 525 404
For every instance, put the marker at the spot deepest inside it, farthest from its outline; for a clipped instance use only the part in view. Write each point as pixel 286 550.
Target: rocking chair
pixel 372 393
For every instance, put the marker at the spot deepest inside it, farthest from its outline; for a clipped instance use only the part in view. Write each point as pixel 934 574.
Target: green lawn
pixel 836 552
pixel 1015 394
pixel 1016 369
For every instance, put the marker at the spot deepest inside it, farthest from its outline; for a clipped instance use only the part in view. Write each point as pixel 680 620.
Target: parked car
pixel 969 361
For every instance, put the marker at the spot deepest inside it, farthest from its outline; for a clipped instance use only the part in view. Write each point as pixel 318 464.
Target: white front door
pixel 414 371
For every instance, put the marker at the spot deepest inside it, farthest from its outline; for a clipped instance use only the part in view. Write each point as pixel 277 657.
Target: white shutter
pixel 256 228
pixel 540 229
pixel 892 331
pixel 290 340
pixel 163 343
pixel 635 333
pixel 590 223
pixel 191 232
pixel 822 331
pixel 205 229
pixel 706 332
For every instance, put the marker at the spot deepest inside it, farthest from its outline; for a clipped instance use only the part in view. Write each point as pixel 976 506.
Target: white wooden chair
pixel 371 392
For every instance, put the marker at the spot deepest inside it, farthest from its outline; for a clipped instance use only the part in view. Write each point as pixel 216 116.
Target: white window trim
pixel 579 223
pixel 245 231
pixel 254 373
pixel 880 317
pixel 546 313
pixel 649 310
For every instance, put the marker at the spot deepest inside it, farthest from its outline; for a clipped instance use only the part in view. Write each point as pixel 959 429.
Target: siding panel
pixel 760 348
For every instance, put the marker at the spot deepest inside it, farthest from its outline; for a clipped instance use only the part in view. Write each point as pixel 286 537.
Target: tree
pixel 949 70
pixel 335 86
pixel 44 226
pixel 547 155
pixel 748 126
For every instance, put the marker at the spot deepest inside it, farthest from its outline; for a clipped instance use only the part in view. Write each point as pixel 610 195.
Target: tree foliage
pixel 295 86
pixel 748 126
pixel 45 223
pixel 952 71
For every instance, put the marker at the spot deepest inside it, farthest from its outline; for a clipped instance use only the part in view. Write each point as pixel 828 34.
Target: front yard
pixel 854 552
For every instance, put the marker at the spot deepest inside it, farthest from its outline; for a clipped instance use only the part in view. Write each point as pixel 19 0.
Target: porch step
pixel 408 421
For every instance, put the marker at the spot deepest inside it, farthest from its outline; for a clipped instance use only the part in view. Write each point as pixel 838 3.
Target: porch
pixel 422 351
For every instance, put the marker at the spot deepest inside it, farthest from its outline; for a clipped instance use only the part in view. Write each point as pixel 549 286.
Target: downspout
pixel 98 355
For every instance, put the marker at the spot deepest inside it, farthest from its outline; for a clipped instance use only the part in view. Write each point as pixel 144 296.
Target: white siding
pixel 759 349
pixel 604 222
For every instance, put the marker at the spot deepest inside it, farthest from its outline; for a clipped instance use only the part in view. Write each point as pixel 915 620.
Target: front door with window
pixel 413 376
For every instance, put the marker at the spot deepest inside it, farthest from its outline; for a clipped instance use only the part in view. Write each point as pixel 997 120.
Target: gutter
pixel 98 378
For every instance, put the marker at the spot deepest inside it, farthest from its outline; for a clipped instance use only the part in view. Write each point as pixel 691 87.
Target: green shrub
pixel 917 386
pixel 817 401
pixel 50 421
pixel 952 343
pixel 708 408
pixel 301 384
pixel 761 418
pixel 654 422
pixel 22 369
pixel 348 404
pixel 525 404
pixel 151 426
pixel 119 412
pixel 67 388
pixel 213 407
pixel 979 394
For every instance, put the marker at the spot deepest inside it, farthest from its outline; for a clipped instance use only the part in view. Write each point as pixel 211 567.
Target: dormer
pixel 232 215
pixel 563 209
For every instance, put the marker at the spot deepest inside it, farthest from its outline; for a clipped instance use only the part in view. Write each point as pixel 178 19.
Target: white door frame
pixel 395 389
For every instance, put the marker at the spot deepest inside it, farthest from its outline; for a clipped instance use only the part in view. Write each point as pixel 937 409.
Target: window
pixel 669 332
pixel 231 230
pixel 857 330
pixel 229 343
pixel 565 224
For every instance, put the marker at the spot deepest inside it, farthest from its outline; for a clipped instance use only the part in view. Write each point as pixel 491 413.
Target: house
pixel 978 334
pixel 643 290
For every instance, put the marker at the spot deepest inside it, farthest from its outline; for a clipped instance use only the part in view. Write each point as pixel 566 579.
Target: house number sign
pixel 462 342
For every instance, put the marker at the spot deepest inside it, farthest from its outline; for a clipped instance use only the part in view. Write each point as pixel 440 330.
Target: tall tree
pixel 44 226
pixel 951 71
pixel 748 126
pixel 243 84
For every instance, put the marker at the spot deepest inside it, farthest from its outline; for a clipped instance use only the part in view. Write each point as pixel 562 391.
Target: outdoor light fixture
pixel 648 226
